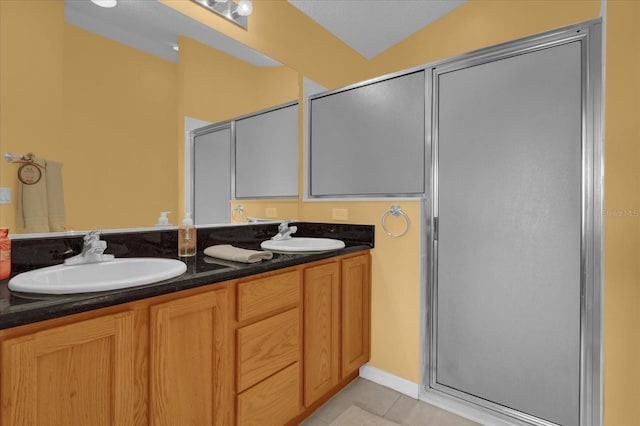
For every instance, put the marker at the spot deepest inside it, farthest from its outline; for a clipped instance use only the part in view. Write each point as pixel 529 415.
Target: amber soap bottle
pixel 187 235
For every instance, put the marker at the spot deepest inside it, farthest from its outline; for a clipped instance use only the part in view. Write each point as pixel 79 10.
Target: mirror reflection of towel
pixel 55 197
pixel 40 207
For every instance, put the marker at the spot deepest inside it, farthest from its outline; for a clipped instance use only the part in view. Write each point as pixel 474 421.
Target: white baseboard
pixel 391 381
pixel 407 387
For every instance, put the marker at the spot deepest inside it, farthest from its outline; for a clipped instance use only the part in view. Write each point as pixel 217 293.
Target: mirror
pixel 114 115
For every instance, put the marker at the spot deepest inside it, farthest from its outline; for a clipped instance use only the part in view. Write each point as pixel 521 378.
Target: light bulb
pixel 244 8
pixel 105 3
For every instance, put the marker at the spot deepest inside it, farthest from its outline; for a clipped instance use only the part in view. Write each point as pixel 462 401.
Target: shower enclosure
pixel 514 237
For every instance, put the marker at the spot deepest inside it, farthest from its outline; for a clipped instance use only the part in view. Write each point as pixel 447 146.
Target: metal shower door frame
pixel 591 259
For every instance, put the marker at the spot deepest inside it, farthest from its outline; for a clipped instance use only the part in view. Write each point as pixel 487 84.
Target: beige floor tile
pixel 424 414
pixel 367 395
pixel 336 405
pixel 314 421
pixel 445 418
pixel 372 397
pixel 401 409
pixel 386 403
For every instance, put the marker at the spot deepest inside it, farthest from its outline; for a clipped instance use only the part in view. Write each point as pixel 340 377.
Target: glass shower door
pixel 509 202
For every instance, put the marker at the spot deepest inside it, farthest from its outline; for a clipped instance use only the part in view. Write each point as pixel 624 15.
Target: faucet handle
pixel 283 226
pixel 92 236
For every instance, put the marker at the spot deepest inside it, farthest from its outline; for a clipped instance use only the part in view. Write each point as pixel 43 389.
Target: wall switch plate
pixel 5 195
pixel 271 212
pixel 340 214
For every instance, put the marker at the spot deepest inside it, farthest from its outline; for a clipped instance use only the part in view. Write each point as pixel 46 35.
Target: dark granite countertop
pixel 20 309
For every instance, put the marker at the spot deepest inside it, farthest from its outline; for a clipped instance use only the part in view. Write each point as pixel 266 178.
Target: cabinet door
pixel 321 330
pixel 188 361
pixel 356 313
pixel 78 374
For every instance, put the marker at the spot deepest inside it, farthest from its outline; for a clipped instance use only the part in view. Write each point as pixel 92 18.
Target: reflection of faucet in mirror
pixel 92 251
pixel 284 231
pixel 238 214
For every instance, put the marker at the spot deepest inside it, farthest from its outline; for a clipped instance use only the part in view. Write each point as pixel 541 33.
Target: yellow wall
pixel 120 121
pixel 482 23
pixel 622 216
pixel 112 114
pixel 31 93
pixel 106 111
pixel 215 86
pixel 282 32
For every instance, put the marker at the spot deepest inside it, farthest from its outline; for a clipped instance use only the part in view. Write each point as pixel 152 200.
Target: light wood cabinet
pixel 188 361
pixel 321 330
pixel 262 350
pixel 269 349
pixel 337 323
pixel 76 374
pixel 356 312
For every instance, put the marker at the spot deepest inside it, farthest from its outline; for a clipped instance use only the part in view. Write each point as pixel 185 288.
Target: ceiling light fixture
pixel 105 3
pixel 229 9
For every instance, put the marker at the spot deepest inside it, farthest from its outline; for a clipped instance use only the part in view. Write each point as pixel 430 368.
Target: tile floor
pixel 386 403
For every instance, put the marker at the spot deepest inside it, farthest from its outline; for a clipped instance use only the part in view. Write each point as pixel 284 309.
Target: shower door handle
pixel 435 228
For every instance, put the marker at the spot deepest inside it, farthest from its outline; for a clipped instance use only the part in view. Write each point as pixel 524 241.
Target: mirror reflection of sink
pixel 302 244
pixel 93 277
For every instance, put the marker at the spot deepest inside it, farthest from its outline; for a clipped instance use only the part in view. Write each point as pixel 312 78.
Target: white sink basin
pixel 303 244
pixel 92 277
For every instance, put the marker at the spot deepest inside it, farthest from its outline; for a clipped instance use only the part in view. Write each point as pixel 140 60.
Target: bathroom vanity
pixel 224 343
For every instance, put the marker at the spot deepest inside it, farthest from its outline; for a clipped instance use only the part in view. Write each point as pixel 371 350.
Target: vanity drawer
pixel 261 296
pixel 274 401
pixel 267 347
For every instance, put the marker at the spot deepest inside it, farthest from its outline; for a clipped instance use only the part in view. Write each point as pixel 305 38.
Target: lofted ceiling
pixel 372 26
pixel 368 26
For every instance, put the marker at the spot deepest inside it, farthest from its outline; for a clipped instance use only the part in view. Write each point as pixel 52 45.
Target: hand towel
pixel 236 254
pixel 55 197
pixel 32 213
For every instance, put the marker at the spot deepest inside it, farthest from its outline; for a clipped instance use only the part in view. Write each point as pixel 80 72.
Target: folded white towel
pixel 236 254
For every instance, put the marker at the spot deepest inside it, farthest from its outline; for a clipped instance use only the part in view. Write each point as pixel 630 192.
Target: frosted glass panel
pixel 509 247
pixel 267 154
pixel 369 140
pixel 212 177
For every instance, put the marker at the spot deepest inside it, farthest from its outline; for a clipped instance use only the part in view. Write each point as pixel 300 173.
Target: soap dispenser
pixel 163 220
pixel 187 237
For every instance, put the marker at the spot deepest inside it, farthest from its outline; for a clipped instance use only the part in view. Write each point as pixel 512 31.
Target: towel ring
pixel 395 210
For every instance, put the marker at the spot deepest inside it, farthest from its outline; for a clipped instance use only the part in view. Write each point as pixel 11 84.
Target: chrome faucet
pixel 284 231
pixel 92 251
